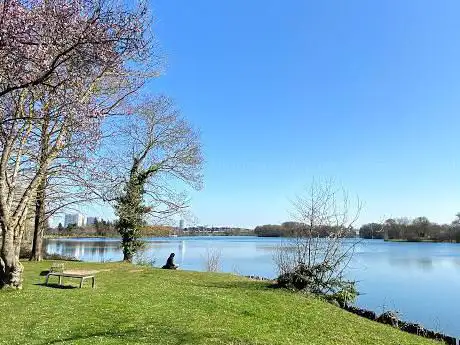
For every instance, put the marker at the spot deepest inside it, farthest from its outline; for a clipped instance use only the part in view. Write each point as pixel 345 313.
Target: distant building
pixel 91 220
pixel 76 219
pixel 181 224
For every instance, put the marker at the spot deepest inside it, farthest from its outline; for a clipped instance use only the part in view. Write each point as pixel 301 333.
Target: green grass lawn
pixel 138 305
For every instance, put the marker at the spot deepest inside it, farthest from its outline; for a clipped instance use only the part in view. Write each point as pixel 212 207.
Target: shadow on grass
pixel 57 286
pixel 107 334
pixel 153 333
pixel 246 285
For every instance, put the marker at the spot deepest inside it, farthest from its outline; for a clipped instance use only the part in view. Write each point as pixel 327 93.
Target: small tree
pixel 316 258
pixel 213 260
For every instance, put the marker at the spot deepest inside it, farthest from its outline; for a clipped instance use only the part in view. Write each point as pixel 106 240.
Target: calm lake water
pixel 419 280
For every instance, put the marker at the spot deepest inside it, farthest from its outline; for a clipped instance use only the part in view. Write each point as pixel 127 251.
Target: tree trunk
pixel 39 223
pixel 127 257
pixel 10 266
pixel 11 274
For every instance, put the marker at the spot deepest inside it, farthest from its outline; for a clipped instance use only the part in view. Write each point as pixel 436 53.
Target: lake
pixel 419 280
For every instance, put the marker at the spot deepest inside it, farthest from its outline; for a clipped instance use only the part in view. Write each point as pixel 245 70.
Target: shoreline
pixel 411 312
pixel 192 296
pixel 76 236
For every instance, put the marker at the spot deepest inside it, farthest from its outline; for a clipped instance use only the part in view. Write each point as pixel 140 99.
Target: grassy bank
pixel 137 305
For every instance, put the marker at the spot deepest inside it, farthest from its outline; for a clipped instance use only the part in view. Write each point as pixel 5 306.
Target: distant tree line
pixel 221 231
pixel 293 229
pixel 416 230
pixel 100 227
pixel 156 230
pixel 107 228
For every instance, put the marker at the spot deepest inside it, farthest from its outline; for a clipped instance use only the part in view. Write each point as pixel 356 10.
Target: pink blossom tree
pixel 65 66
pixel 48 42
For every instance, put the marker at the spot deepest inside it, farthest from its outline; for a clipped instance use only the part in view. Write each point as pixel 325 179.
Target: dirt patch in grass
pixel 81 272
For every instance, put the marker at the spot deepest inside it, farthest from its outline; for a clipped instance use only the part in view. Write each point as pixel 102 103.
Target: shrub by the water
pixel 389 318
pixel 316 279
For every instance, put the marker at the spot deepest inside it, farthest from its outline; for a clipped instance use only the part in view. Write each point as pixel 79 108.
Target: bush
pixel 316 279
pixel 346 295
pixel 389 318
pixel 47 256
pixel 143 259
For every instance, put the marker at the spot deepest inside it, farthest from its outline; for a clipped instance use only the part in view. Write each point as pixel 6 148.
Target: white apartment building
pixel 76 218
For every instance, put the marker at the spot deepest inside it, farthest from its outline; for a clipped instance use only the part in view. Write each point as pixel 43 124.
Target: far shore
pixel 54 236
pixel 418 241
pixel 115 236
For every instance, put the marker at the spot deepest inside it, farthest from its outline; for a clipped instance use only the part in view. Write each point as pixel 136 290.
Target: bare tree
pixel 144 165
pixel 213 260
pixel 316 257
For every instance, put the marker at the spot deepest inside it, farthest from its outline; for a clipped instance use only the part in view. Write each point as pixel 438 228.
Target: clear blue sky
pixel 366 92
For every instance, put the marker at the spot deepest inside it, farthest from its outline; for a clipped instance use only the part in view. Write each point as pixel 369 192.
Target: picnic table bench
pixel 82 275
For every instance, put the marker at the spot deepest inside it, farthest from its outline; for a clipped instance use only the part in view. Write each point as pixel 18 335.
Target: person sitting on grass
pixel 170 263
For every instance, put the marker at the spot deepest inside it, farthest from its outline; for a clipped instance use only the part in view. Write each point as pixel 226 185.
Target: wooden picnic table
pixel 82 275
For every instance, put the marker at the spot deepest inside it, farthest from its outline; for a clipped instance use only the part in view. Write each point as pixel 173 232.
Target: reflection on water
pixel 182 252
pixel 99 250
pixel 420 280
pixel 423 262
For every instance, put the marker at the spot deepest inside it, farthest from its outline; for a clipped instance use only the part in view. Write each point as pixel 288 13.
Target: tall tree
pixel 65 64
pixel 163 149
